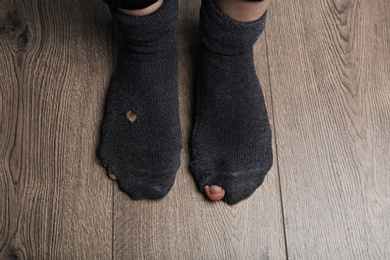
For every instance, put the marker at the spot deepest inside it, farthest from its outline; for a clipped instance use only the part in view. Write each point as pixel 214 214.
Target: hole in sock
pixel 131 116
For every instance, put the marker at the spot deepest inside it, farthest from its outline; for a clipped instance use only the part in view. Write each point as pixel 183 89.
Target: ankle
pixel 243 11
pixel 142 12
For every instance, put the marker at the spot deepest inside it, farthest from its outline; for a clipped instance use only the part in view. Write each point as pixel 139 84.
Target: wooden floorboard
pixel 330 85
pixel 325 74
pixel 55 202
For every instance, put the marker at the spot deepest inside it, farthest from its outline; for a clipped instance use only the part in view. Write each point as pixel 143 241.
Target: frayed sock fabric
pixel 140 140
pixel 231 140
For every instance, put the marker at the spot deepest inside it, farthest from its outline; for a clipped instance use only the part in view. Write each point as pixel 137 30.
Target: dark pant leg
pixel 130 4
pixel 140 4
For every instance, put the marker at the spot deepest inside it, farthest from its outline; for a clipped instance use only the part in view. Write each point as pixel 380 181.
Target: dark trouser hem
pixel 141 4
pixel 130 4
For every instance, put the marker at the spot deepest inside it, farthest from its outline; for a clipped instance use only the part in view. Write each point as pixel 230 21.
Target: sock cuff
pixel 148 28
pixel 224 35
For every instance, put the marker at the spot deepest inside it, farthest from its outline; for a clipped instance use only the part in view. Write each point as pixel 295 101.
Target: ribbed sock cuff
pixel 152 27
pixel 224 35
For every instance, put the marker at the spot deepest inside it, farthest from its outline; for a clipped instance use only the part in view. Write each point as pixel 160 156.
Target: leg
pixel 232 149
pixel 140 140
pixel 136 9
pixel 243 11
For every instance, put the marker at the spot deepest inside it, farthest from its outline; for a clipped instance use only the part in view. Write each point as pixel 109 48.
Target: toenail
pixel 215 189
pixel 131 116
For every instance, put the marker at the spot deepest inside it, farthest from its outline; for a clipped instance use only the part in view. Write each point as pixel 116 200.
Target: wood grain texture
pixel 330 86
pixel 325 73
pixel 184 225
pixel 55 202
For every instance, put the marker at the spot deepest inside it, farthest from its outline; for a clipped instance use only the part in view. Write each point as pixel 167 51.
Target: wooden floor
pixel 324 66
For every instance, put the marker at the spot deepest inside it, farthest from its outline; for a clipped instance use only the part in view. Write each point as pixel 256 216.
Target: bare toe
pixel 112 176
pixel 214 192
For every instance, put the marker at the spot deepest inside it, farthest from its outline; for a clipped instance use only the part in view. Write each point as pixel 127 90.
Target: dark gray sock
pixel 232 140
pixel 144 154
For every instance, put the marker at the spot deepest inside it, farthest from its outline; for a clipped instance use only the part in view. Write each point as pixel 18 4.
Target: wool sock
pixel 231 140
pixel 140 139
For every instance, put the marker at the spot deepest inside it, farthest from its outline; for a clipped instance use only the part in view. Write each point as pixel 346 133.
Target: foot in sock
pixel 140 140
pixel 231 140
pixel 214 192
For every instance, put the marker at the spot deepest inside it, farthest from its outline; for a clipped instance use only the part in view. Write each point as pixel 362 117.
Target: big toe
pixel 214 192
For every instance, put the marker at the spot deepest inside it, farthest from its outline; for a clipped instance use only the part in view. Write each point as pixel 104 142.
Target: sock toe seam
pixel 197 170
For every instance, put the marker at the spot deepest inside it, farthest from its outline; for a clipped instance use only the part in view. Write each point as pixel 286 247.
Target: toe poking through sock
pixel 214 192
pixel 112 176
pixel 131 116
pixel 103 164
